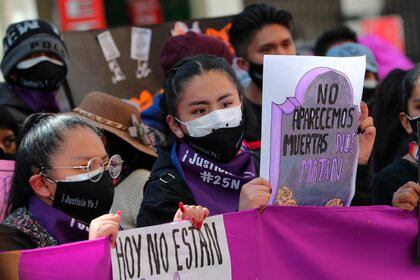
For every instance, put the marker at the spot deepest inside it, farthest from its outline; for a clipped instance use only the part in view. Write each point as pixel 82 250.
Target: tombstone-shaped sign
pixel 312 121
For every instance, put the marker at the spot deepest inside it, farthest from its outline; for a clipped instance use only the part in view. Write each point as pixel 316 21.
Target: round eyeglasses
pixel 94 169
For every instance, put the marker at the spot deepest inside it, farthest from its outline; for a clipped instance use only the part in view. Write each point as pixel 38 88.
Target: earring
pixel 180 133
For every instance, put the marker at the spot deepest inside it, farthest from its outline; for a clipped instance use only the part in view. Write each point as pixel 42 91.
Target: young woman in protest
pixel 391 141
pixel 396 184
pixel 205 161
pixel 62 189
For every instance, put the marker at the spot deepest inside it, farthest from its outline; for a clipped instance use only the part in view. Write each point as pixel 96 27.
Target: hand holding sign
pixel 105 226
pixel 407 197
pixel 367 135
pixel 255 194
pixel 196 214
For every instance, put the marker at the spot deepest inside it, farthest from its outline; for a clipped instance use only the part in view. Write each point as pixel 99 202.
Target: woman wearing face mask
pixel 396 184
pixel 63 183
pixel 205 162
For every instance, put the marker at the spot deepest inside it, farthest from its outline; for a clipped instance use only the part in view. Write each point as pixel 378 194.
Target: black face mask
pixel 368 94
pixel 222 145
pixel 85 200
pixel 413 124
pixel 44 76
pixel 256 74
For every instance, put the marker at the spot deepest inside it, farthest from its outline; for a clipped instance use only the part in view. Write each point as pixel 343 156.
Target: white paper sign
pixel 310 120
pixel 141 39
pixel 108 46
pixel 173 251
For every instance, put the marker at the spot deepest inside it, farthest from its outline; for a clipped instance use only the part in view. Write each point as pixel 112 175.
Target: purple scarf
pixel 62 227
pixel 38 101
pixel 214 185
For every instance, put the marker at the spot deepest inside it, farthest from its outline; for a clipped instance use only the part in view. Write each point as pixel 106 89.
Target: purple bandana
pixel 38 101
pixel 214 185
pixel 62 227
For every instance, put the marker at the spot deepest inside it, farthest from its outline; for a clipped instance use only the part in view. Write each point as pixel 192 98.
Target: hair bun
pixel 32 121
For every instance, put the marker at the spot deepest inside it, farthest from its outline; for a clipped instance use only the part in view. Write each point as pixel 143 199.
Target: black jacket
pixel 166 188
pixel 11 101
pixel 391 178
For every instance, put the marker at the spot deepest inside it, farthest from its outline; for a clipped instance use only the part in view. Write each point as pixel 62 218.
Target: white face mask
pixel 371 84
pixel 28 63
pixel 223 118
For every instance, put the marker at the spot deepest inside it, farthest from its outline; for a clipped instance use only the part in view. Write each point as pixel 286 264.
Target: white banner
pixel 173 251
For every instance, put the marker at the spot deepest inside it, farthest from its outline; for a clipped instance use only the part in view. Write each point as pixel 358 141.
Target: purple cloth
pixel 323 243
pixel 82 260
pixel 39 101
pixel 387 56
pixel 376 242
pixel 214 185
pixel 62 227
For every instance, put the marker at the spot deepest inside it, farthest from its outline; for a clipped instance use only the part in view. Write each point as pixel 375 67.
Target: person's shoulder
pixel 6 94
pixel 164 178
pixel 397 167
pixel 14 239
pixel 399 170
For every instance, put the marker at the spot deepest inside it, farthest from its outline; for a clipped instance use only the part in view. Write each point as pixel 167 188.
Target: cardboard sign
pixel 310 122
pixel 89 71
pixel 6 173
pixel 173 251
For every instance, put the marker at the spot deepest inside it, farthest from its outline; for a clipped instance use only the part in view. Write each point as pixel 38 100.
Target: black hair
pixel 326 40
pixel 41 138
pixel 252 19
pixel 184 71
pixel 391 138
pixel 7 121
pixel 409 84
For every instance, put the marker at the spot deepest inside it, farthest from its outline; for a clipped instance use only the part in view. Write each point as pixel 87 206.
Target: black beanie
pixel 30 37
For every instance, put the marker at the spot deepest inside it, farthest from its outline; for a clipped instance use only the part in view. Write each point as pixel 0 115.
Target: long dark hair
pixel 391 138
pixel 183 72
pixel 41 138
pixel 408 85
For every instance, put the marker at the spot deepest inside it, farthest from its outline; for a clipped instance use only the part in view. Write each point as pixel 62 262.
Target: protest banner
pixel 173 251
pixel 6 173
pixel 310 120
pixel 281 243
pixel 81 260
